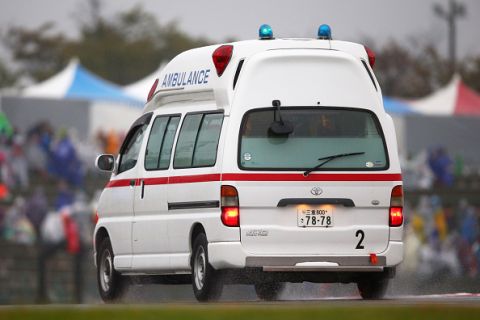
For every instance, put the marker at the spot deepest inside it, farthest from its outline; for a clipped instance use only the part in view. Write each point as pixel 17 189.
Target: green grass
pixel 310 311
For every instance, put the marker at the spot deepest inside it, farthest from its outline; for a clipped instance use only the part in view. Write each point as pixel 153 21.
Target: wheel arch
pixel 100 235
pixel 197 228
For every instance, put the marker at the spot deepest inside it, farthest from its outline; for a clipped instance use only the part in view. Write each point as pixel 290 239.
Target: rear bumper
pixel 231 255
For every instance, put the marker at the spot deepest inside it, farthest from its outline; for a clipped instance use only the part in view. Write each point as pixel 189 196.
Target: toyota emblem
pixel 316 191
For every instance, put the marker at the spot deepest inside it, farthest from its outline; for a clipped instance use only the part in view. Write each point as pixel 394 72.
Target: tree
pixel 39 52
pixel 122 49
pixel 7 77
pixel 407 74
pixel 470 72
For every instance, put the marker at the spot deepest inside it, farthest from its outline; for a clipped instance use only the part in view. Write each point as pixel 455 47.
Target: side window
pixel 186 141
pixel 159 146
pixel 198 141
pixel 131 148
pixel 152 153
pixel 167 145
pixel 205 153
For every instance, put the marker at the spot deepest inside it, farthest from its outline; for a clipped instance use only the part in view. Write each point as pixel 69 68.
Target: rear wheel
pixel 373 288
pixel 207 285
pixel 269 291
pixel 111 284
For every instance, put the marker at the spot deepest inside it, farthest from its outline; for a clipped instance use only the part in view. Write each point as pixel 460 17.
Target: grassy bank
pixel 324 310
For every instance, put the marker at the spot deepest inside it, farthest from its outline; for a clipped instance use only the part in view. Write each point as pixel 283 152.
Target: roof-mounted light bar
pixel 265 32
pixel 324 32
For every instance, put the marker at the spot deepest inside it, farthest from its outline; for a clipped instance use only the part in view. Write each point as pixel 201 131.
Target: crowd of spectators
pixel 31 163
pixel 42 171
pixel 442 240
pixel 432 167
pixel 43 201
pixel 439 239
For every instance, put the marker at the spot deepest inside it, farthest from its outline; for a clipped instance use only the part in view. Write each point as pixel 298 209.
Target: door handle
pixel 132 183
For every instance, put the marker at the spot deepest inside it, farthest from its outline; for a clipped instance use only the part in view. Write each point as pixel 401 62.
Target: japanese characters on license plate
pixel 315 217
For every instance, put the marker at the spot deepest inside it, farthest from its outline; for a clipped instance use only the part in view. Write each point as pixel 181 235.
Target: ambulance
pixel 260 162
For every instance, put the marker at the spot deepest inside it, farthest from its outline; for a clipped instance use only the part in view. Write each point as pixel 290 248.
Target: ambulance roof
pixel 192 76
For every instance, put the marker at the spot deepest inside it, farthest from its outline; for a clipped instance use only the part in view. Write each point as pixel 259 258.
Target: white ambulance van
pixel 256 162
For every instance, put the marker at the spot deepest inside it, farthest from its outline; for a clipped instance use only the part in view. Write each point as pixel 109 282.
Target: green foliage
pixel 40 52
pixel 7 77
pixel 470 72
pixel 402 73
pixel 122 50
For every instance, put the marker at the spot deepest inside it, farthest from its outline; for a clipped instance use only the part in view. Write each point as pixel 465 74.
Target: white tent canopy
pixel 56 86
pixel 454 99
pixel 440 102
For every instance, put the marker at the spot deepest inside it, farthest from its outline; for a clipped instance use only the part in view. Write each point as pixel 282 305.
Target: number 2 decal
pixel 360 234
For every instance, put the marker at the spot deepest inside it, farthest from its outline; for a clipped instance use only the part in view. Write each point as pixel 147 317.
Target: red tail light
pixel 221 58
pixel 152 90
pixel 230 216
pixel 396 207
pixel 229 202
pixel 95 218
pixel 396 216
pixel 371 56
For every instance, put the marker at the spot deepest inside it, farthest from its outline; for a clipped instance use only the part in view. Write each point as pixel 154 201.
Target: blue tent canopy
pixel 89 86
pixel 77 82
pixel 396 106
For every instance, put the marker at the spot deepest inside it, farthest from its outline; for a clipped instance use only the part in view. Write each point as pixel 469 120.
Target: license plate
pixel 315 217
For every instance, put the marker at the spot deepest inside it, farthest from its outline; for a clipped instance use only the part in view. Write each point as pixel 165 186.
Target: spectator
pixel 64 195
pixel 37 209
pixel 19 164
pixel 113 143
pixel 441 165
pixel 17 227
pixel 36 155
pixel 64 161
pixel 469 225
pixel 6 174
pixel 439 217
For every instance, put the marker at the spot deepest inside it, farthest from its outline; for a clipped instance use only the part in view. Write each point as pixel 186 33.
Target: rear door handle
pixel 314 201
pixel 132 183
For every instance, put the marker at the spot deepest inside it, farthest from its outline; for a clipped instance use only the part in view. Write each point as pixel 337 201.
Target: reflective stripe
pixel 312 177
pixel 260 177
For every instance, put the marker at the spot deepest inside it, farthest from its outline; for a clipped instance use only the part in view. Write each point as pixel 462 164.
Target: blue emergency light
pixel 265 32
pixel 324 32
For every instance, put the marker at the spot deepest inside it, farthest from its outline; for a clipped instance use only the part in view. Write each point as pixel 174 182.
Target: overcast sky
pixel 352 20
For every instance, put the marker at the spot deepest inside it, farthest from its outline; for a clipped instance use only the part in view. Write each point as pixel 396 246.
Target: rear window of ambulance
pixel 317 133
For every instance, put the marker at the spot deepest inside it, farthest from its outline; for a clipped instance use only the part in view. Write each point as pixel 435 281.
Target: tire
pixel 269 291
pixel 111 284
pixel 206 282
pixel 373 289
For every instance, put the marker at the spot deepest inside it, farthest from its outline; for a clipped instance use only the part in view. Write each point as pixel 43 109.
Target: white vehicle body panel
pixel 151 230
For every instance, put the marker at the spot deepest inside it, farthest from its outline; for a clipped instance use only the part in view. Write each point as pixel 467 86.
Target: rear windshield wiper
pixel 330 158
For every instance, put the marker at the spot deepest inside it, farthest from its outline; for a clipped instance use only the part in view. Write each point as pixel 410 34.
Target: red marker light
pixel 373 258
pixel 221 58
pixel 95 218
pixel 371 56
pixel 152 90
